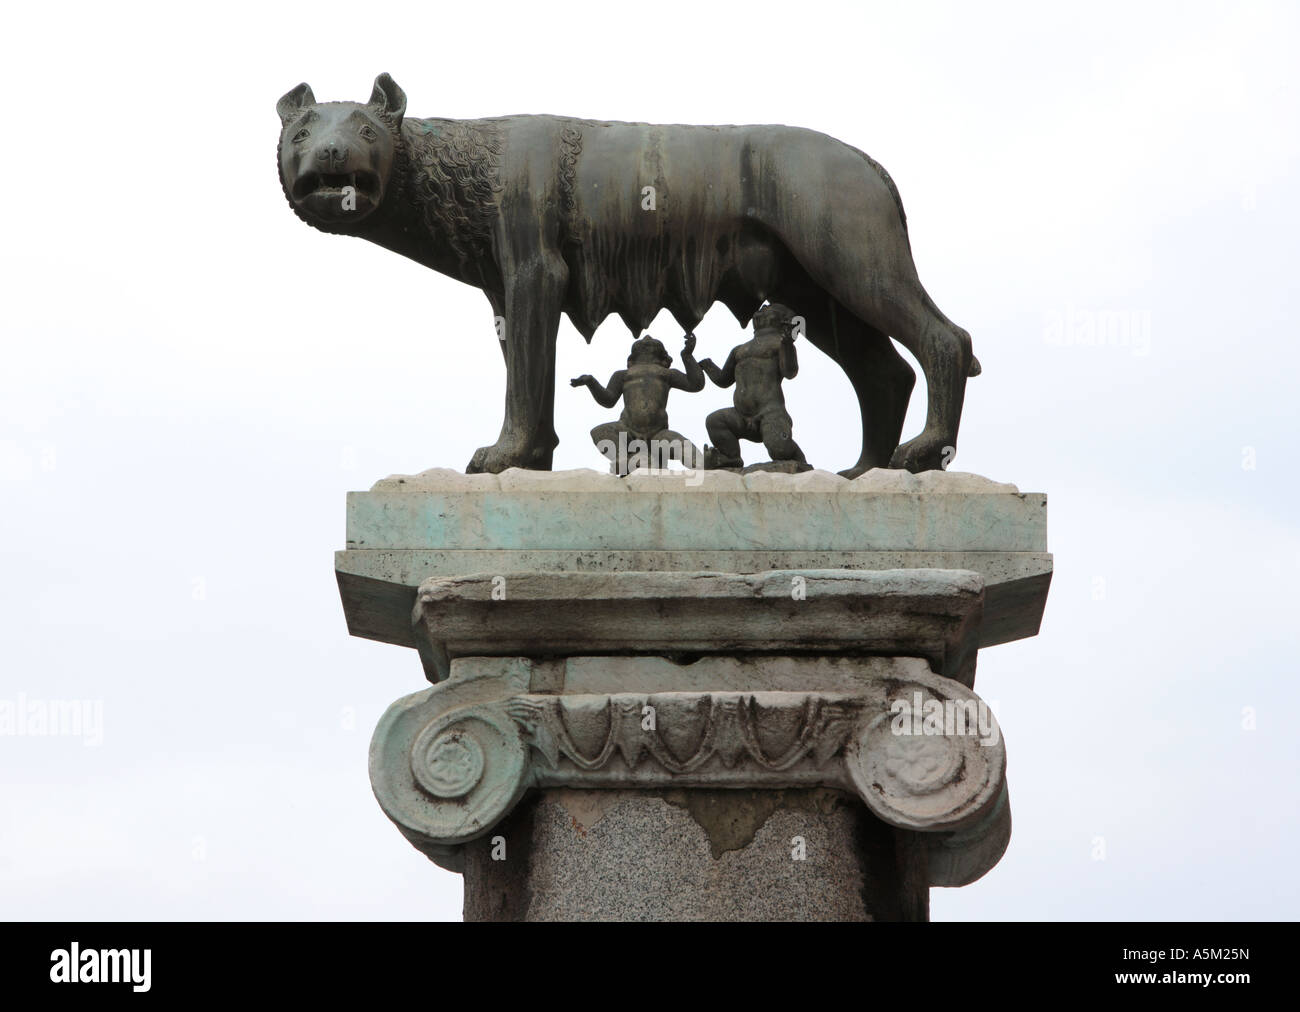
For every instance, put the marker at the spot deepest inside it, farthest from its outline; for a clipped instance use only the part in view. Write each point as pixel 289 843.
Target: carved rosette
pixel 471 765
pixel 932 770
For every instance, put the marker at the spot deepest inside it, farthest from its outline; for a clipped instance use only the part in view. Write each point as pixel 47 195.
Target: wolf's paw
pixel 924 453
pixel 505 454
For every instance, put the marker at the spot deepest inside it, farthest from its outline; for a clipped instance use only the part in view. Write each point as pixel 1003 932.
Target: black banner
pixel 90 962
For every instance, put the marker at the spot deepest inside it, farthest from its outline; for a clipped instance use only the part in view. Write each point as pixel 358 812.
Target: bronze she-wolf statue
pixel 550 215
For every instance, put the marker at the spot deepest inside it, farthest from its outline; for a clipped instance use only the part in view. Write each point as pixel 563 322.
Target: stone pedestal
pixel 711 696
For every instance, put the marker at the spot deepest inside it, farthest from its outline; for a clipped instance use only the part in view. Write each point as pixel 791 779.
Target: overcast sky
pixel 193 380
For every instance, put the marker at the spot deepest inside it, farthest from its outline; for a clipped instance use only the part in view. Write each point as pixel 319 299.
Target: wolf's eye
pixel 367 133
pixel 301 135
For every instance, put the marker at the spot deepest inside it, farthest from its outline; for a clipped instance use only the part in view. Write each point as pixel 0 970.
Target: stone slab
pixel 679 520
pixel 439 524
pixel 927 613
pixel 378 588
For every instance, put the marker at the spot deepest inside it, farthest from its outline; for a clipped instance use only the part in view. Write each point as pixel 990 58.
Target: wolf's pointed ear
pixel 389 97
pixel 294 101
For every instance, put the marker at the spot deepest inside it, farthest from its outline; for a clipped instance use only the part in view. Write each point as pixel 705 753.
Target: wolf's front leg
pixel 533 296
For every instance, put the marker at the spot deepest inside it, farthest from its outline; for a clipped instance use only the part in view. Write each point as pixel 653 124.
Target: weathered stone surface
pixel 882 479
pixel 699 855
pixel 776 467
pixel 802 481
pixel 379 587
pixel 698 480
pixel 685 518
pixel 951 482
pixel 587 521
pixel 586 479
pixel 918 612
pixel 697 597
pixel 518 479
pixel 657 480
pixel 441 478
pixel 715 673
pixel 447 764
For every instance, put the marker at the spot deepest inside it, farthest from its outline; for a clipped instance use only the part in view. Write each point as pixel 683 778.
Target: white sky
pixel 193 379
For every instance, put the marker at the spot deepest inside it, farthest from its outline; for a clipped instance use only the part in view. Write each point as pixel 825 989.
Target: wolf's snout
pixel 334 156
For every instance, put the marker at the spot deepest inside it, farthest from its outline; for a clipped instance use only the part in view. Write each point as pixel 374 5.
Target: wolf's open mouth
pixel 332 184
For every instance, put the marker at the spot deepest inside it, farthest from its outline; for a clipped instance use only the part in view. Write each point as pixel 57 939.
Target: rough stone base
pixel 777 467
pixel 695 855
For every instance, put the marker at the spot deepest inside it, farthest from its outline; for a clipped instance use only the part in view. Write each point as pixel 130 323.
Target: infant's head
pixel 773 318
pixel 648 351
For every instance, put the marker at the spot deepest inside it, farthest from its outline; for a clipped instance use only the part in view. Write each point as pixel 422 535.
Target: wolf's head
pixel 337 159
